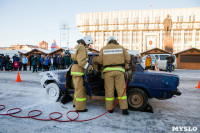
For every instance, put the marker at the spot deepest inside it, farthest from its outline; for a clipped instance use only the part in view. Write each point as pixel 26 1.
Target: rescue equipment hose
pixel 18 110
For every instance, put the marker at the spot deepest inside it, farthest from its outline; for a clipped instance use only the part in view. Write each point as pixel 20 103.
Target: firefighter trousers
pixel 112 80
pixel 80 93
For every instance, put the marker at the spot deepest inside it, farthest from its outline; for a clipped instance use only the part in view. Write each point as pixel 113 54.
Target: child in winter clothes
pixel 16 65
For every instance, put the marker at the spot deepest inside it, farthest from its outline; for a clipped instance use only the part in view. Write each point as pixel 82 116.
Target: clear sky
pixel 32 21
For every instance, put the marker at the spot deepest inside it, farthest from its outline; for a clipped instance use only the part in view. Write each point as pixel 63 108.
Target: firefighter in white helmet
pixel 79 55
pixel 115 59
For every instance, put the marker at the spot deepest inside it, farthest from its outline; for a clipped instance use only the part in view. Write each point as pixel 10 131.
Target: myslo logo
pixel 184 128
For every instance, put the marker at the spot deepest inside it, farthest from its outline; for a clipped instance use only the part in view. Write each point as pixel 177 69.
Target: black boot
pixel 85 110
pixel 111 111
pixel 66 98
pixel 125 112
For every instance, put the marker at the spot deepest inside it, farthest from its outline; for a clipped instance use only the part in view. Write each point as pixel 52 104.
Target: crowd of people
pixel 8 65
pixel 36 63
pixel 152 64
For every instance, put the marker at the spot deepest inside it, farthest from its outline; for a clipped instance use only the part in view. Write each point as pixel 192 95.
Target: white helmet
pixel 88 39
pixel 111 38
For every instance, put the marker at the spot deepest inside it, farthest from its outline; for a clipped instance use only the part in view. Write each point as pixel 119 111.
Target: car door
pixel 163 61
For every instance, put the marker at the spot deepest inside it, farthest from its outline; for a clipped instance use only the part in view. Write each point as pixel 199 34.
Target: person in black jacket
pixel 3 62
pixel 30 60
pixel 34 61
pixel 55 62
pixel 0 60
pixel 170 61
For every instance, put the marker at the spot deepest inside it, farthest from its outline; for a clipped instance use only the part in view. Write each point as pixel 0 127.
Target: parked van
pixel 161 61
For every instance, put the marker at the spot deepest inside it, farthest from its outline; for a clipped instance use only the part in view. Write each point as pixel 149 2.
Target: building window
pixel 136 20
pixel 116 35
pixel 157 19
pixel 177 18
pixel 193 18
pixel 97 21
pixel 190 18
pixel 197 36
pixel 86 22
pixel 188 36
pixel 181 18
pixel 106 35
pixel 125 37
pixel 116 20
pixel 126 20
pixel 106 21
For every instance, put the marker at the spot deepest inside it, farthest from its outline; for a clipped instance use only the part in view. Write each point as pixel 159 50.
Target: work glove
pixel 90 68
pixel 129 74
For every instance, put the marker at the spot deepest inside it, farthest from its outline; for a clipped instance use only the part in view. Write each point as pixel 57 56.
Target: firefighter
pixel 115 59
pixel 80 58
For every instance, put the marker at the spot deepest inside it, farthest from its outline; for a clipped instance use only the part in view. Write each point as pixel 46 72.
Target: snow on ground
pixel 182 110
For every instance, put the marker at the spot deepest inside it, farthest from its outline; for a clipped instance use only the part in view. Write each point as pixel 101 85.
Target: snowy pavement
pixel 181 110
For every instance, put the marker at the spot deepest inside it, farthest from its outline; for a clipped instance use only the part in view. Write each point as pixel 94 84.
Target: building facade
pixel 143 29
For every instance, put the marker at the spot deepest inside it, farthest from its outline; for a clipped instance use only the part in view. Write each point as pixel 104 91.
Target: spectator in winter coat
pixel 24 62
pixel 170 61
pixel 51 66
pixel 60 62
pixel 46 64
pixel 9 66
pixel 148 63
pixel 3 62
pixel 55 62
pixel 40 64
pixel 30 60
pixel 153 63
pixel 34 63
pixel 42 61
pixel 16 65
pixel 7 58
pixel 0 60
pixel 66 59
pixel 139 60
pixel 14 58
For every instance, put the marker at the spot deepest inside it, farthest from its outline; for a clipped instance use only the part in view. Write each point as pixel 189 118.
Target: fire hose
pixel 18 110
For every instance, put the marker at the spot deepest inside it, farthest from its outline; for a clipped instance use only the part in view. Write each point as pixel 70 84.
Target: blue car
pixel 141 85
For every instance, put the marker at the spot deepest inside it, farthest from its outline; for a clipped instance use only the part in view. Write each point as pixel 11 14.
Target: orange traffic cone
pixel 198 87
pixel 18 78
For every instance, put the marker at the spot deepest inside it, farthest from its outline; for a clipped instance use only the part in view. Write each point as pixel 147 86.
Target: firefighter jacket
pixel 114 57
pixel 80 56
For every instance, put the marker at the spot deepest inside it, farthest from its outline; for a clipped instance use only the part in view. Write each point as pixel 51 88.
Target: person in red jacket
pixel 16 65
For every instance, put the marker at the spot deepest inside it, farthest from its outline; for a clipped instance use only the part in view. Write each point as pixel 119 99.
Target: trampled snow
pixel 29 95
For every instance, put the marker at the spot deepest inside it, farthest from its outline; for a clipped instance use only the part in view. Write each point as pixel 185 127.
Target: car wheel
pixel 53 92
pixel 137 99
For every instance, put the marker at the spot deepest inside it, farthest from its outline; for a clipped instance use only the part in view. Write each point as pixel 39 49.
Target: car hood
pixel 159 73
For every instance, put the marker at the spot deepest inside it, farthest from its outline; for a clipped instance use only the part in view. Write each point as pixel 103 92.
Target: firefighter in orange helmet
pixel 115 59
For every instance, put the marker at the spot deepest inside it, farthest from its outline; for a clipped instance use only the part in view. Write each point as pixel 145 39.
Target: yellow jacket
pixel 148 62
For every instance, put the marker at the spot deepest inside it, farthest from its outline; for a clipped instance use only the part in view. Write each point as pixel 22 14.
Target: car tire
pixel 137 99
pixel 53 92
